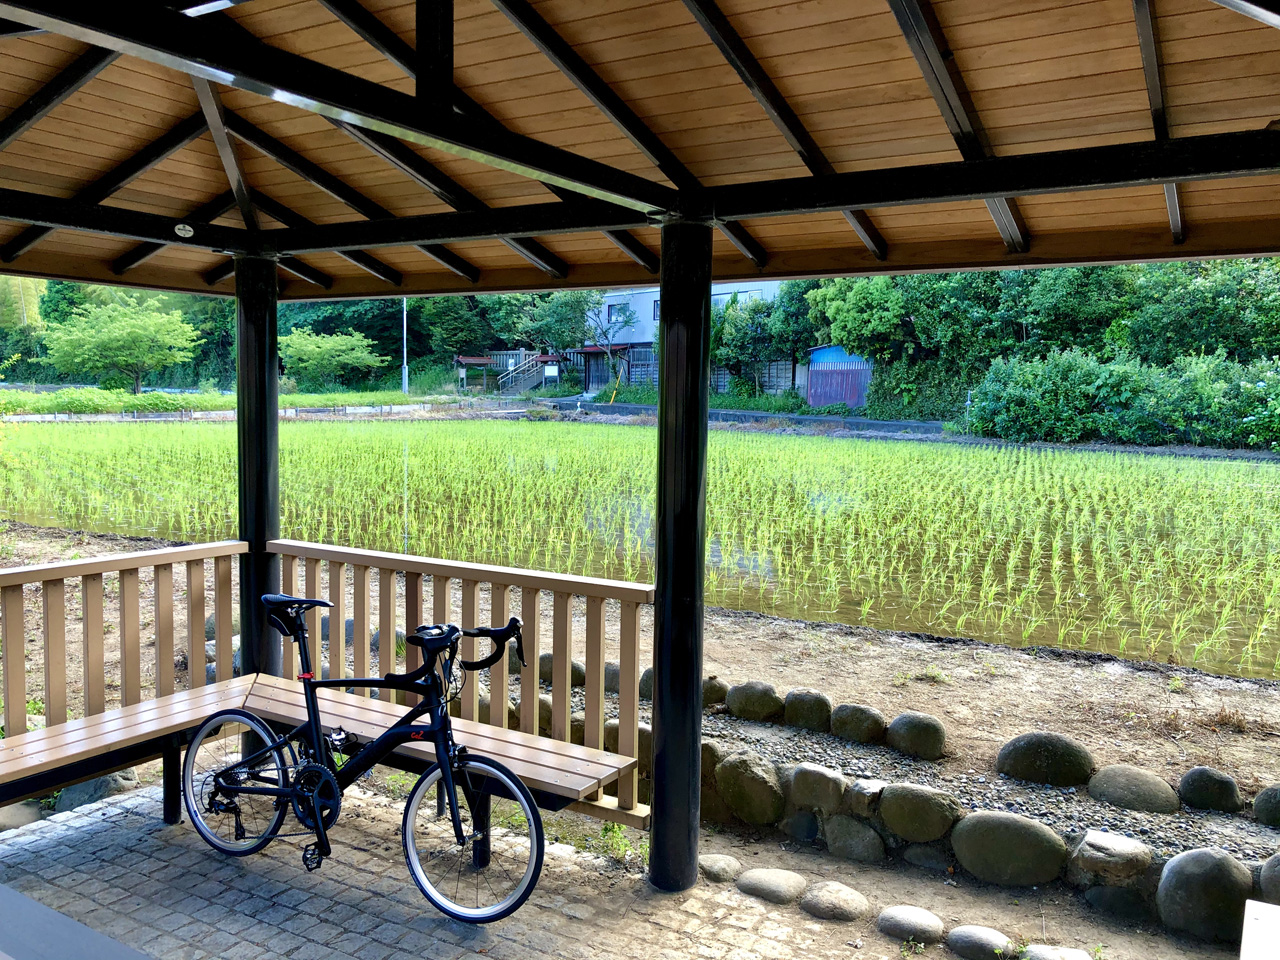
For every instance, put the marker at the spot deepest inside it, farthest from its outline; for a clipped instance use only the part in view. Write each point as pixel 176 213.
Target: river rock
pixel 776 886
pixel 751 787
pixel 1266 807
pixel 612 677
pixel 719 867
pixel 832 900
pixel 971 942
pixel 1203 892
pixel 1269 880
pixel 713 807
pixel 545 709
pixel 646 684
pixel 99 788
pixel 800 825
pixel 211 621
pixel 1133 788
pixel 1042 757
pixel 1127 903
pixel 928 856
pixel 349 634
pixel 817 788
pixel 853 840
pixel 1108 858
pixel 1041 951
pixel 19 815
pixel 808 710
pixel 577 670
pixel 858 724
pixel 714 691
pixel 375 644
pixel 862 797
pixel 1205 788
pixel 755 700
pixel 1008 850
pixel 910 923
pixel 917 735
pixel 918 814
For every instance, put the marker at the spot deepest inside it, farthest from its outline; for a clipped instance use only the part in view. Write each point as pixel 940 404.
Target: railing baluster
pixel 441 604
pixel 289 586
pixel 195 624
pixel 163 596
pixel 337 620
pixel 313 615
pixel 412 619
pixel 223 668
pixel 95 679
pixel 530 613
pixel 561 665
pixel 594 735
pixel 13 635
pixel 386 622
pixel 629 699
pixel 470 707
pixel 54 595
pixel 130 641
pixel 499 614
pixel 360 635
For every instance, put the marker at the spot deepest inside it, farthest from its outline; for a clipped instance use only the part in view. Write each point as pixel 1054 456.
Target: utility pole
pixel 404 359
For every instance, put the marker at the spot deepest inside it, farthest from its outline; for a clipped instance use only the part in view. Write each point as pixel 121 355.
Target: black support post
pixel 257 428
pixel 683 374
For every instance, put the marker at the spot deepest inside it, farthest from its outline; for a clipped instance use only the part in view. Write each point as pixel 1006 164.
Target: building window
pixel 718 300
pixel 657 311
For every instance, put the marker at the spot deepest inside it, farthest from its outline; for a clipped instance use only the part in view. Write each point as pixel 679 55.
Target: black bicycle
pixel 472 834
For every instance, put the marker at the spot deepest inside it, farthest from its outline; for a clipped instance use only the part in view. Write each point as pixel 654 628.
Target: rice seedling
pixel 1148 557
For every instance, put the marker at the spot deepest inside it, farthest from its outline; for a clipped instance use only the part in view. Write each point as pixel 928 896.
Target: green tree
pixel 457 326
pixel 124 337
pixel 554 324
pixel 741 340
pixel 60 301
pixel 866 316
pixel 606 324
pixel 792 326
pixel 321 360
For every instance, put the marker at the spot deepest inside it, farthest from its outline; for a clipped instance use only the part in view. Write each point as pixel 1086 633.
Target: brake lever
pixel 520 648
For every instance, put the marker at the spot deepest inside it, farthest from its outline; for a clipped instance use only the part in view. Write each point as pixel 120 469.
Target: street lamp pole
pixel 404 360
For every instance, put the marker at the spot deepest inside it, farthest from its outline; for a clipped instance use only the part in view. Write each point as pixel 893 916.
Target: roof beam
pixel 778 110
pixel 570 63
pixel 289 218
pixel 1150 47
pixel 60 214
pixel 37 106
pixel 928 45
pixel 142 161
pixel 387 42
pixel 318 177
pixel 307 272
pixel 215 116
pixel 224 53
pixel 205 213
pixel 1212 157
pixel 1264 11
pixel 433 60
pixel 409 162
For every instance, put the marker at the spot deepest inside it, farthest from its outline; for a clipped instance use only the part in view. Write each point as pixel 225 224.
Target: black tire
pixel 515 839
pixel 210 754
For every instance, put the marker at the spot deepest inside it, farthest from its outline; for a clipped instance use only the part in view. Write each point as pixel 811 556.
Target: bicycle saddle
pixel 281 601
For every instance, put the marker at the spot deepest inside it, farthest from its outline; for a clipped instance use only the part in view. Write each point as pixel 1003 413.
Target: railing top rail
pixel 483 573
pixel 66 569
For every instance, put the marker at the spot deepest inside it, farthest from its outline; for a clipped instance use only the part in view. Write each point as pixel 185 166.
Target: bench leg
pixel 480 823
pixel 171 758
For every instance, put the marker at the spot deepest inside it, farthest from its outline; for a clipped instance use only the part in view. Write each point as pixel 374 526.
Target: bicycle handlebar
pixel 500 636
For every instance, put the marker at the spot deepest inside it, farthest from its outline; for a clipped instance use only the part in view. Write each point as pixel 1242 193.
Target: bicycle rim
pixel 235 823
pixel 453 877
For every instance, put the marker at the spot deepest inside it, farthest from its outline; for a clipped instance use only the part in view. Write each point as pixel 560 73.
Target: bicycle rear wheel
pixel 493 872
pixel 235 823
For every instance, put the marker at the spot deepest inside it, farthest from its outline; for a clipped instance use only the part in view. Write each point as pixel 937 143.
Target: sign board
pixel 551 370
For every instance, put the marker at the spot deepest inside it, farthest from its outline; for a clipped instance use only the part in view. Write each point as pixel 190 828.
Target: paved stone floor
pixel 117 868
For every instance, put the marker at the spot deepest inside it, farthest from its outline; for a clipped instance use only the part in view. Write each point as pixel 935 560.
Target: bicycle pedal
pixel 311 858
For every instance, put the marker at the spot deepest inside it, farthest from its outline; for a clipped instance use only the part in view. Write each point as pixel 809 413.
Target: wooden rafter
pixel 1149 44
pixel 205 213
pixel 215 117
pixel 37 106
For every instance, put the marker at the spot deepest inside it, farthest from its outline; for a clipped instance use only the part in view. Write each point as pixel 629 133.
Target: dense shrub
pixel 903 390
pixel 1073 396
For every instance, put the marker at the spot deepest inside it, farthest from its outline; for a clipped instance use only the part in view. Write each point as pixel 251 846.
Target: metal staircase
pixel 527 376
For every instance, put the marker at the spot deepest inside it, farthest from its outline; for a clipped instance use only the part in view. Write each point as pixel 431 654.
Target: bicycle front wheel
pixel 495 869
pixel 227 751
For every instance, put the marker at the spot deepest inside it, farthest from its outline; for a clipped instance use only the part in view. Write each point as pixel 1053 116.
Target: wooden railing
pixel 404 583
pixel 45 587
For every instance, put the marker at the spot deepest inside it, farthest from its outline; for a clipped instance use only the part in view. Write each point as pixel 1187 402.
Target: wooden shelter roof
pixel 821 136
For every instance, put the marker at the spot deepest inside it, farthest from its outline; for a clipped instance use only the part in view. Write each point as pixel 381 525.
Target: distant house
pixel 836 376
pixel 634 346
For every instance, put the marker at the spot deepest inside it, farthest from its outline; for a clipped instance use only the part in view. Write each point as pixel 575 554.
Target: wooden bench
pixel 37 763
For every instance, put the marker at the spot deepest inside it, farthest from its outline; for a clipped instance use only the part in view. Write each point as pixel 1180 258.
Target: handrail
pixel 479 572
pixel 518 371
pixel 66 569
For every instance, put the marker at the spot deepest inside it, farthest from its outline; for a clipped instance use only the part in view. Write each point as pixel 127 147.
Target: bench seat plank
pixel 42 750
pixel 543 764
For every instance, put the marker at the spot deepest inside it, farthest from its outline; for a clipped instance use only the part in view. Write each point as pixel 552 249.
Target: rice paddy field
pixel 1146 557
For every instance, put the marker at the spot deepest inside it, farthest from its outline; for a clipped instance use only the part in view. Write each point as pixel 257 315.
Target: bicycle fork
pixel 478 801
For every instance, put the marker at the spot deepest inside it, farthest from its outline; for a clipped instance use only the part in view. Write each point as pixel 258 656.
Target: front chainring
pixel 313 779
